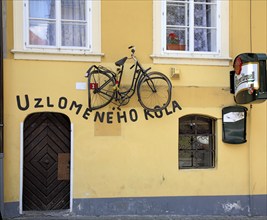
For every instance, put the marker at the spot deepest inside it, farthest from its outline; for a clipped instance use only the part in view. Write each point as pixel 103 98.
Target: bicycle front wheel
pixel 100 89
pixel 154 91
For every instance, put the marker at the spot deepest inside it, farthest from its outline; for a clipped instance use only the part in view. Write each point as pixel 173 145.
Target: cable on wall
pixel 250 25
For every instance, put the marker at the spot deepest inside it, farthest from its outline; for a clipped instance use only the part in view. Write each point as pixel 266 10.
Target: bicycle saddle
pixel 121 61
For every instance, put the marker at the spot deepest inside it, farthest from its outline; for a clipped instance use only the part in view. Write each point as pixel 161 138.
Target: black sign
pixel 234 124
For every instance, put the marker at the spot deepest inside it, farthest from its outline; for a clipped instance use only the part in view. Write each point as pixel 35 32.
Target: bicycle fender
pixel 90 70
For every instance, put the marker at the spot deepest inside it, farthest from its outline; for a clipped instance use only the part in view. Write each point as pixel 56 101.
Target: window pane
pixel 177 14
pixel 185 159
pixel 73 9
pixel 181 37
pixel 187 127
pixel 205 15
pixel 185 142
pixel 205 39
pixel 73 35
pixel 204 125
pixel 205 23
pixel 42 9
pixel 206 1
pixel 203 142
pixel 42 33
pixel 177 25
pixel 203 159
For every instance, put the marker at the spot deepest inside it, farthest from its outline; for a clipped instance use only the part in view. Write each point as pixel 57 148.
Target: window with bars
pixel 196 142
pixel 191 24
pixel 57 24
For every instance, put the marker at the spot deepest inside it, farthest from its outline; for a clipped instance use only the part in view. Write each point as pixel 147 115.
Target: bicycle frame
pixel 139 73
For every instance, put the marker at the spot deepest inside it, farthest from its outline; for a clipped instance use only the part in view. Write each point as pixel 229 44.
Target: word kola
pixel 24 103
pixel 132 115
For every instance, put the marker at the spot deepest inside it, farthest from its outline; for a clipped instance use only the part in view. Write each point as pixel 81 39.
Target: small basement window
pixel 196 142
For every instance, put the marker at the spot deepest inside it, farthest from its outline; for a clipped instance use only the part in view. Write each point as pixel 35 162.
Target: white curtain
pixel 42 23
pixel 73 27
pixel 200 34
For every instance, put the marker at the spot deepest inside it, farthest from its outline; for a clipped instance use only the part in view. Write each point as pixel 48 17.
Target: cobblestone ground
pixel 139 218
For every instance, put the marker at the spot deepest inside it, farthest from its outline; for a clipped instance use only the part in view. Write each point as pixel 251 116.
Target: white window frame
pixel 24 51
pixel 162 56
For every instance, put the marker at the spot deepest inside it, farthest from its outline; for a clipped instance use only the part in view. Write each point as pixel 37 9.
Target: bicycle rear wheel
pixel 100 89
pixel 154 91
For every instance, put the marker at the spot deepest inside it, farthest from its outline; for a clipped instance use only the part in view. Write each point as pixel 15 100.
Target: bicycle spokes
pixel 100 89
pixel 154 92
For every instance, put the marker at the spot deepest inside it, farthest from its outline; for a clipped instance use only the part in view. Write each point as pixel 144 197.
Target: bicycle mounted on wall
pixel 153 88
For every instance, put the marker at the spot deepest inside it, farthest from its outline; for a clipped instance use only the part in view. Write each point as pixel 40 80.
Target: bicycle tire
pixel 154 91
pixel 100 89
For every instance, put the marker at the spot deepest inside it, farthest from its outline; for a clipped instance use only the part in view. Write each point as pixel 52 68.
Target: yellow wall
pixel 141 158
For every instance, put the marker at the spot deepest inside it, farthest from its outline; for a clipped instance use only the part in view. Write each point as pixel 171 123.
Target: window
pixel 57 30
pixel 192 24
pixel 57 24
pixel 196 142
pixel 187 29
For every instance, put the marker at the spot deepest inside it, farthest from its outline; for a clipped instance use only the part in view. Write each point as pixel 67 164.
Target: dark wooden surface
pixel 46 135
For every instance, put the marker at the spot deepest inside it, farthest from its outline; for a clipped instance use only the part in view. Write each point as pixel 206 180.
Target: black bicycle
pixel 153 88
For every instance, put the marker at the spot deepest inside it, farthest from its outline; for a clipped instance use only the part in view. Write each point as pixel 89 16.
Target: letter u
pixel 27 103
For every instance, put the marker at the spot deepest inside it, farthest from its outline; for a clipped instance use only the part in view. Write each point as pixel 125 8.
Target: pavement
pixel 63 215
pixel 165 217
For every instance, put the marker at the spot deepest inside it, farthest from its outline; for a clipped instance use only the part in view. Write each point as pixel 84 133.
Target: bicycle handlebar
pixel 132 50
pixel 89 70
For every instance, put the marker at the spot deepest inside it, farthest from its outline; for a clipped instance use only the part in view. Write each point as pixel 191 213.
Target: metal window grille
pixel 196 142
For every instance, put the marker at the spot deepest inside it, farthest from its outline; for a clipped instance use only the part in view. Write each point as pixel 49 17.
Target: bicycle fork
pixel 151 85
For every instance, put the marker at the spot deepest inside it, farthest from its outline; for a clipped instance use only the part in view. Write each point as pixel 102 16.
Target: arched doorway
pixel 46 162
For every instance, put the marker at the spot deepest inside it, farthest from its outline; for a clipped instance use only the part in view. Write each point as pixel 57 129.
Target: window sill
pixel 186 59
pixel 39 54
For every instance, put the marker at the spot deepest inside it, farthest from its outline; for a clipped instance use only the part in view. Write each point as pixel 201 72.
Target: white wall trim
pixel 71 164
pixel 21 168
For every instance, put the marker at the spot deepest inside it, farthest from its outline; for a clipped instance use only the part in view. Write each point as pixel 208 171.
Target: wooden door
pixel 46 170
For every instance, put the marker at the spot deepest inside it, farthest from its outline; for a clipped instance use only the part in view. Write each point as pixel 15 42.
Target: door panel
pixel 46 138
pixel 63 166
